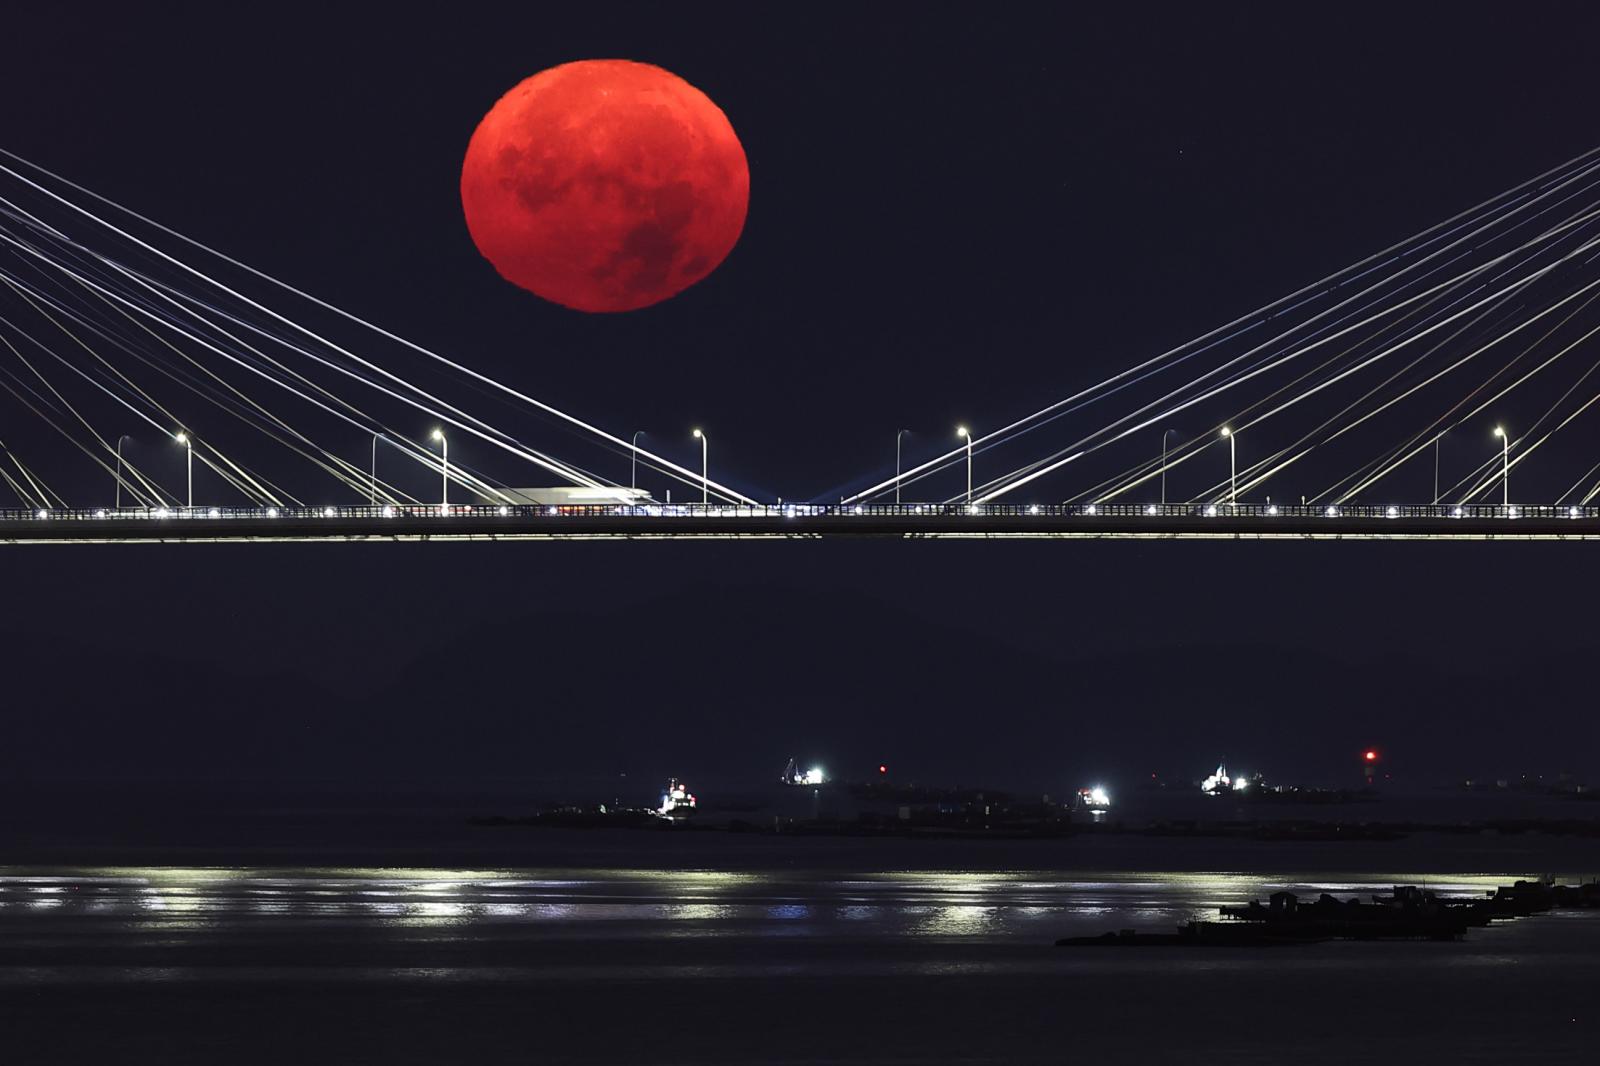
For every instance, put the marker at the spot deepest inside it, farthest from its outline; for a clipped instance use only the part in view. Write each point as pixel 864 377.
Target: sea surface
pixel 812 956
pixel 225 925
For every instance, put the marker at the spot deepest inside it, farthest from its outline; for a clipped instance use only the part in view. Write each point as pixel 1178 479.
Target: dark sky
pixel 956 213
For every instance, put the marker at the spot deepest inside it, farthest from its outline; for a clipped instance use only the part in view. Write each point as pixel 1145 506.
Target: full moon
pixel 605 185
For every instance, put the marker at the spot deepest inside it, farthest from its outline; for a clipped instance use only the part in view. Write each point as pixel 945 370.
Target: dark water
pixel 789 965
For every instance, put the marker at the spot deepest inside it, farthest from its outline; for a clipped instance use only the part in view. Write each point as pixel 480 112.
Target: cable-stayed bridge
pixel 1328 412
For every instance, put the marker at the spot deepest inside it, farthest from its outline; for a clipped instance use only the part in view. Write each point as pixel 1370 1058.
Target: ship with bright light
pixel 1220 784
pixel 1094 799
pixel 676 800
pixel 793 775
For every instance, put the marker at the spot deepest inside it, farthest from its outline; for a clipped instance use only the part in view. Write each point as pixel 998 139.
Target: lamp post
pixel 372 493
pixel 1436 441
pixel 1164 434
pixel 183 438
pixel 963 431
pixel 897 438
pixel 705 479
pixel 1233 471
pixel 633 478
pixel 444 468
pixel 119 468
pixel 1505 465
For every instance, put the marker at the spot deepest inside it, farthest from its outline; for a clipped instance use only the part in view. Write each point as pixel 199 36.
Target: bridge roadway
pixel 718 522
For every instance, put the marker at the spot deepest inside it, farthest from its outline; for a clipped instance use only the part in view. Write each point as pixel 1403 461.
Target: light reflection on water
pixel 1026 906
pixel 961 920
pixel 452 926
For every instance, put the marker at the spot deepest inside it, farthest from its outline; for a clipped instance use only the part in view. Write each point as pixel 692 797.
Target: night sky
pixel 957 214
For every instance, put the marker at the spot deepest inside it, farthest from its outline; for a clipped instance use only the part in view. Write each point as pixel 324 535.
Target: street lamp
pixel 897 437
pixel 444 467
pixel 963 431
pixel 1233 471
pixel 1164 434
pixel 183 438
pixel 633 479
pixel 119 467
pixel 372 494
pixel 1505 465
pixel 1436 441
pixel 705 480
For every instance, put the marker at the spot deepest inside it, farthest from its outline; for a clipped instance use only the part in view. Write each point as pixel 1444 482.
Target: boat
pixel 1220 784
pixel 676 800
pixel 793 775
pixel 1094 798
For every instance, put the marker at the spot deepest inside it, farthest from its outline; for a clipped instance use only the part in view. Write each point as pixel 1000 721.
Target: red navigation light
pixel 1371 755
pixel 882 769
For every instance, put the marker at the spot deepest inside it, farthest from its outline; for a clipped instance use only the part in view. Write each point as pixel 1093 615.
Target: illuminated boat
pixel 1092 799
pixel 676 801
pixel 793 775
pixel 1220 784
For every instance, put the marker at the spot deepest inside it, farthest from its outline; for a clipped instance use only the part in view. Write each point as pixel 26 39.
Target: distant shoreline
pixel 468 848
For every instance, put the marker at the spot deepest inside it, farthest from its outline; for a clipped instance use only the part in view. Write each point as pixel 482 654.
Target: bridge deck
pixel 801 521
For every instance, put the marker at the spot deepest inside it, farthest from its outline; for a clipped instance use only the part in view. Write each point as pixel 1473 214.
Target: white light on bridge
pixel 1572 512
pixel 388 512
pixel 1332 512
pixel 504 511
pixel 1091 509
pixel 1211 511
pixel 272 512
pixel 1272 509
pixel 162 512
pixel 44 514
pixel 1393 512
pixel 1455 512
pixel 1034 509
pixel 1150 510
pixel 99 514
pixel 214 513
pixel 1515 513
pixel 327 512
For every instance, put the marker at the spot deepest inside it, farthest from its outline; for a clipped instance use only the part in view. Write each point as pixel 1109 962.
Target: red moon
pixel 605 185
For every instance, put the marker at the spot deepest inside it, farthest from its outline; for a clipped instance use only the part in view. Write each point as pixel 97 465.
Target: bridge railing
pixel 909 512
